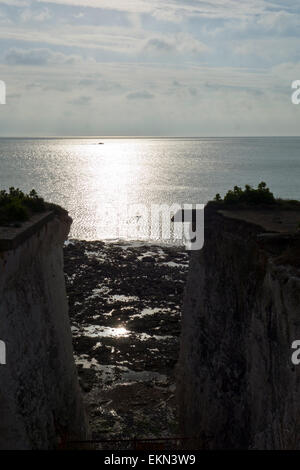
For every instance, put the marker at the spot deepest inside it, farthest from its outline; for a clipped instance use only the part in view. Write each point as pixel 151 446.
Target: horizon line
pixel 144 136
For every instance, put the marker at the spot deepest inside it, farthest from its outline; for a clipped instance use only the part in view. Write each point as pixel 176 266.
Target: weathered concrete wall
pixel 237 386
pixel 40 400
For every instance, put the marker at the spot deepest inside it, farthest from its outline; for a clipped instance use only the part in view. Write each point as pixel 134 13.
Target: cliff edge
pixel 40 399
pixel 237 386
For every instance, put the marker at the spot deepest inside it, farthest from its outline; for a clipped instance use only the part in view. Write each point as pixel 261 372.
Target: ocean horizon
pixel 88 179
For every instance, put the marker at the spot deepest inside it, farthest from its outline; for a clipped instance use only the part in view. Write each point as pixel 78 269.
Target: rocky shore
pixel 125 307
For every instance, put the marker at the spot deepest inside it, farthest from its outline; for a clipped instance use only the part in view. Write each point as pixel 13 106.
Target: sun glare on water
pixel 119 332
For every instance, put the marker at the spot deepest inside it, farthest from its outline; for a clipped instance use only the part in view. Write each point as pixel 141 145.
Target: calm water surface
pixel 85 177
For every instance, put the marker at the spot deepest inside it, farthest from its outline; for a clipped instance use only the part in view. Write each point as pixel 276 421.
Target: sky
pixel 149 67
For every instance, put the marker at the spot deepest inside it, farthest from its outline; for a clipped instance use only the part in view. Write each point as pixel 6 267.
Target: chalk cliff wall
pixel 237 386
pixel 40 400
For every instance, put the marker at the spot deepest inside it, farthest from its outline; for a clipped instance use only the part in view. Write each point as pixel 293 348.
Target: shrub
pixel 16 206
pixel 249 195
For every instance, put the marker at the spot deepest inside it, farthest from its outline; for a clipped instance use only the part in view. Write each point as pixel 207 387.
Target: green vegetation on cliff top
pixel 249 195
pixel 16 206
pixel 238 197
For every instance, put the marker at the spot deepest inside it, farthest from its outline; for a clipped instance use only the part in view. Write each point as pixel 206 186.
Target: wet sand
pixel 125 303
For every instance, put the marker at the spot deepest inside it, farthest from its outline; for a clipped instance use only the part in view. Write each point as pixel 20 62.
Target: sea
pixel 112 186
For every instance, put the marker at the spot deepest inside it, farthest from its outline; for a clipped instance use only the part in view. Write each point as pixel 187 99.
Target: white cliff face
pixel 40 400
pixel 237 385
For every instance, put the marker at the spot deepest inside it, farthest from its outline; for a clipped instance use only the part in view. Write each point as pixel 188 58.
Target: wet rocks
pixel 125 304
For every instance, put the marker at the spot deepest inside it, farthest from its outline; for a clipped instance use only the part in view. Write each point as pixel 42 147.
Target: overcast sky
pixel 149 67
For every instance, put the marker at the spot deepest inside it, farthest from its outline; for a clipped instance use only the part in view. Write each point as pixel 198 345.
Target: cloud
pixel 13 96
pixel 193 91
pixel 189 66
pixel 81 101
pixel 202 35
pixel 28 14
pixel 118 39
pixel 270 23
pixel 140 95
pixel 38 57
pixel 180 43
pixel 16 3
pixel 141 6
pixel 100 84
pixel 279 21
pixel 105 85
pixel 168 15
pixel 160 45
pixel 79 15
pixel 216 110
pixel 173 10
pixel 87 82
pixel 261 50
pixel 193 6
